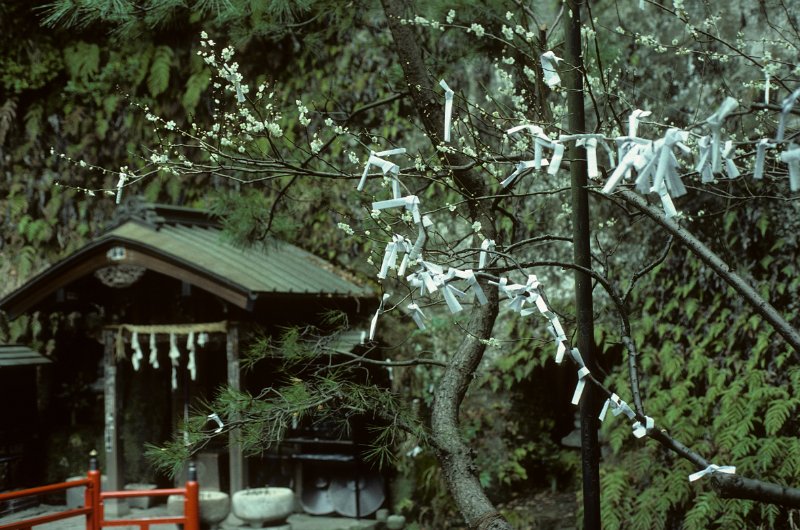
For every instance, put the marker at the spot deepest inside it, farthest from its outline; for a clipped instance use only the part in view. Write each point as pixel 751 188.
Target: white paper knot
pixel 374 323
pixel 448 109
pixel 396 245
pixel 174 357
pixel 549 64
pixel 417 315
pixel 713 468
pixel 582 373
pixel 215 418
pixel 487 246
pixel 761 155
pixel 387 167
pixel 786 108
pixel 792 157
pixel 409 202
pixel 715 122
pixel 639 430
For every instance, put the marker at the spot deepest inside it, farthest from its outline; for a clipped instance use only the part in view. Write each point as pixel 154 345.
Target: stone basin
pixel 258 506
pixel 214 506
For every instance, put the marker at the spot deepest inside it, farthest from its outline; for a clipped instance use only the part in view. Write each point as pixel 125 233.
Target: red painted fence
pixel 94 506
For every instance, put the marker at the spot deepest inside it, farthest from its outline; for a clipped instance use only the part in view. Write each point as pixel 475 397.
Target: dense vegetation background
pixel 81 77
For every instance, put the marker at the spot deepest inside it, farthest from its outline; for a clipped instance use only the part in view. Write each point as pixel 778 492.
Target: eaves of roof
pixel 197 254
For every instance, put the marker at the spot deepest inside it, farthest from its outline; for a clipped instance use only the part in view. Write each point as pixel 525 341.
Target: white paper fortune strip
pixel 558 156
pixel 582 373
pixel 387 167
pixel 727 154
pixel 640 431
pixel 417 315
pixel 396 245
pixel 472 282
pixel 786 108
pixel 540 141
pixel 374 323
pixel 120 184
pixel 215 418
pixel 761 155
pixel 153 352
pixel 409 202
pixel 549 64
pixel 715 122
pixel 633 121
pixel 703 165
pixel 448 109
pixel 713 468
pixel 590 143
pixel 487 246
pixel 136 358
pixel 792 157
pixel 522 167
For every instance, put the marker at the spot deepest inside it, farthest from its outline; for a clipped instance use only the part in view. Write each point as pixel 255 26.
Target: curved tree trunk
pixel 454 455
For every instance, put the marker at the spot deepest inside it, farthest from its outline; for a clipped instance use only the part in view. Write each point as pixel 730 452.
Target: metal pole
pixel 572 69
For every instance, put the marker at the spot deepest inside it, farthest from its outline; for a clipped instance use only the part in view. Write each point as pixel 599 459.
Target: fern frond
pixel 7 114
pixel 158 81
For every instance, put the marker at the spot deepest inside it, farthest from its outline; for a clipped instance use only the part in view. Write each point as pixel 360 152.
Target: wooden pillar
pixel 238 469
pixel 113 449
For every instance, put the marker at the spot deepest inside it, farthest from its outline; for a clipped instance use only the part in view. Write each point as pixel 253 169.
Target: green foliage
pixel 158 80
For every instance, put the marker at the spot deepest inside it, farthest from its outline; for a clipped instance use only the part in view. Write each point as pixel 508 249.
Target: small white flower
pixel 476 226
pixel 346 228
pixel 451 207
pixel 477 29
pixel 203 35
pixel 451 16
pixel 509 15
pixel 316 145
pixel 170 125
pixel 375 214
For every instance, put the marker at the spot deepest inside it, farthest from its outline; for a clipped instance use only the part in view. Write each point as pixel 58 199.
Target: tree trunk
pixel 453 454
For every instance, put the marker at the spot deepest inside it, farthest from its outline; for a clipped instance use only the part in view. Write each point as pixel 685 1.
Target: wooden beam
pixel 238 468
pixel 113 449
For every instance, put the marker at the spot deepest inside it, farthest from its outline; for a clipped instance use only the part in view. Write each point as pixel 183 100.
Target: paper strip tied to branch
pixel 387 167
pixel 374 323
pixel 786 107
pixel 487 246
pixel 448 109
pixel 540 141
pixel 792 157
pixel 715 122
pixel 761 155
pixel 215 418
pixel 409 202
pixel 640 431
pixel 549 64
pixel 396 245
pixel 713 468
pixel 618 406
pixel 417 315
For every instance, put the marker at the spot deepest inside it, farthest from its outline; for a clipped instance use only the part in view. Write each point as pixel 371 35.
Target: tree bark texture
pixel 739 284
pixel 453 453
pixel 581 233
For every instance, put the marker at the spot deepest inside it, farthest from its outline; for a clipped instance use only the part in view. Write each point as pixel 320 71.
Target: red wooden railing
pixel 94 505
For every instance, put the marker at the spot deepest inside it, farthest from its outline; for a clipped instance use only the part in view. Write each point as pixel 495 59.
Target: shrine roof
pixel 189 245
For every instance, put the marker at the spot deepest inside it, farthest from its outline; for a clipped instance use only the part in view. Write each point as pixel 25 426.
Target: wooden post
pixel 113 449
pixel 238 470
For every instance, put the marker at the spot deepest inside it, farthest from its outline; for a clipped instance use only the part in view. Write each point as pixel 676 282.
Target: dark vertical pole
pixel 572 70
pixel 238 470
